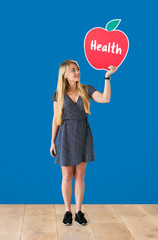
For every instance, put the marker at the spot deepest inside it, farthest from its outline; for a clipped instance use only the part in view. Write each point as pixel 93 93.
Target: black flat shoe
pixel 67 220
pixel 80 219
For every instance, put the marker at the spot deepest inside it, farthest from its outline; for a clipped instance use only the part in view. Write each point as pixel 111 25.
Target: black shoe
pixel 67 220
pixel 80 219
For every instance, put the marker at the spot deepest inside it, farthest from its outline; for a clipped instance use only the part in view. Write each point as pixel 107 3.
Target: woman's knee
pixel 79 175
pixel 67 173
pixel 79 171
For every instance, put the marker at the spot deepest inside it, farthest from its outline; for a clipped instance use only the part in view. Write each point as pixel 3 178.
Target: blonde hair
pixel 63 85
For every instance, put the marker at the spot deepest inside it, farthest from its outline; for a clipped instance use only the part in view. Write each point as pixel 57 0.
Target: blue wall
pixel 36 37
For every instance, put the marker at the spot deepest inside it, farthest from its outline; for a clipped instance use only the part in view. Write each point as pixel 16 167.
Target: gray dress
pixel 75 140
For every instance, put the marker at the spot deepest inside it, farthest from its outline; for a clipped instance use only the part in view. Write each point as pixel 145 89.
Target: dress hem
pixel 74 164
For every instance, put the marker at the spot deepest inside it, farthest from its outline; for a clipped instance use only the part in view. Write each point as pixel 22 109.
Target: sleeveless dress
pixel 74 141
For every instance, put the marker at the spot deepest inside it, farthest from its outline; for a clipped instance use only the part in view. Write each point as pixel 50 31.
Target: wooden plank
pixel 11 220
pixel 106 223
pixel 151 210
pixel 137 222
pixel 101 213
pixel 9 235
pixel 142 238
pixel 111 231
pixel 39 223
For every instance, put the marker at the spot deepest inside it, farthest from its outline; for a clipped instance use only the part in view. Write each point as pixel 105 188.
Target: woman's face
pixel 73 73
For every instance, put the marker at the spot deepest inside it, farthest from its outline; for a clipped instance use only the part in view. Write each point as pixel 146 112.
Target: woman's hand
pixel 53 149
pixel 112 70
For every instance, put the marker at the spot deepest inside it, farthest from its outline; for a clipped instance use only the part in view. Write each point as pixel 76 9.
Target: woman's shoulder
pixel 84 86
pixel 54 96
pixel 90 89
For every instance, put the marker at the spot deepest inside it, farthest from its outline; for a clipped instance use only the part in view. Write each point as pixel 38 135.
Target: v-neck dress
pixel 74 141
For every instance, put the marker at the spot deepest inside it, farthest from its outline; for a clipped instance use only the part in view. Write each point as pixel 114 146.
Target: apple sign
pixel 105 47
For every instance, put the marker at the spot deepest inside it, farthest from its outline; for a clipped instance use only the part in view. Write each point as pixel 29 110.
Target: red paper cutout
pixel 104 47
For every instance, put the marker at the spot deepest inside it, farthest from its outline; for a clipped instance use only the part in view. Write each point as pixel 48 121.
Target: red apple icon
pixel 105 47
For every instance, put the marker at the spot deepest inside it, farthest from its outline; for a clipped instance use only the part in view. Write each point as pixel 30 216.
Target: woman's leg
pixel 79 173
pixel 67 173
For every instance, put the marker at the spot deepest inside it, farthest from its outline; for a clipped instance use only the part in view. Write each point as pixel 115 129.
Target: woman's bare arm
pixel 105 96
pixel 55 127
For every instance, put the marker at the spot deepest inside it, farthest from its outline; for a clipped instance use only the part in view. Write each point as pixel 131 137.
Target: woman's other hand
pixel 53 149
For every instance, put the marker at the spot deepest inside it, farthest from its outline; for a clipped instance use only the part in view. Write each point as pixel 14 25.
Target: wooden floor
pixel 111 222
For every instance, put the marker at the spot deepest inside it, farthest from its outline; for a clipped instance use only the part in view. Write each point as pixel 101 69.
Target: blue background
pixel 36 37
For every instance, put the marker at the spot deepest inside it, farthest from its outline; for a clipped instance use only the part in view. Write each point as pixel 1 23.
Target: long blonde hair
pixel 63 85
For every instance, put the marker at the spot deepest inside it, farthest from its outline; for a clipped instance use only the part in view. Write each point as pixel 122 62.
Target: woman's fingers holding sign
pixel 112 70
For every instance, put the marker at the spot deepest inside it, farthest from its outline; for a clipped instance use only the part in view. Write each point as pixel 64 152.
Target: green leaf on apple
pixel 112 25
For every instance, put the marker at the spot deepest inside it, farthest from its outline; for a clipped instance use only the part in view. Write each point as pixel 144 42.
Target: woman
pixel 75 141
